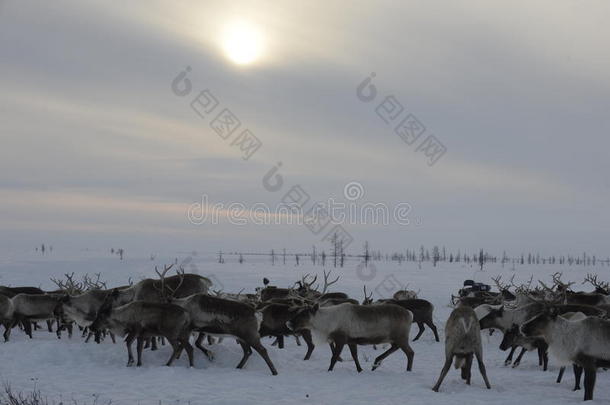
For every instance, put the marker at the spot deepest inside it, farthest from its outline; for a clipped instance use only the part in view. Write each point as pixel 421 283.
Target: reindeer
pixel 513 339
pixel 271 292
pixel 10 292
pixel 422 311
pixel 304 288
pixel 462 341
pixel 28 308
pixel 598 297
pixel 82 309
pixel 274 321
pixel 405 294
pixel 139 320
pixel 357 325
pixel 6 315
pixel 221 316
pixel 584 342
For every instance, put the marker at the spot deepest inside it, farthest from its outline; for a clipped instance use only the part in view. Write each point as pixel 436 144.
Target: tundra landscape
pixel 304 202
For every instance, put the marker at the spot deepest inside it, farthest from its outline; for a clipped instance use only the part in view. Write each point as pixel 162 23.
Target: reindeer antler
pixel 599 285
pixel 503 287
pixel 164 288
pixel 96 284
pixel 70 286
pixel 307 284
pixel 557 283
pixel 328 283
pixel 367 298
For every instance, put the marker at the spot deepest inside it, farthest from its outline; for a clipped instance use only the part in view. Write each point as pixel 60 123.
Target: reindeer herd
pixel 571 326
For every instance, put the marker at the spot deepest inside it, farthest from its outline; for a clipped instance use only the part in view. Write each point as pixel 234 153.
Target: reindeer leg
pixel 184 341
pixel 247 352
pixel 482 367
pixel 509 359
pixel 545 360
pixel 176 346
pixel 128 341
pixel 410 354
pixel 383 355
pixel 353 348
pixel 7 331
pixel 444 371
pixel 518 360
pixel 432 326
pixel 336 353
pixel 112 337
pixel 211 340
pixel 280 342
pixel 420 325
pixel 153 343
pixel 309 342
pixel 139 347
pixel 27 325
pixel 332 350
pixel 263 353
pixel 50 325
pixel 560 376
pixel 590 375
pixel 577 375
pixel 199 345
pixel 296 337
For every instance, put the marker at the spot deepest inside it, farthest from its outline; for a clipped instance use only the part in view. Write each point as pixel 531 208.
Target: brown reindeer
pixel 31 308
pixel 6 315
pixel 462 342
pixel 140 320
pixel 214 315
pixel 274 321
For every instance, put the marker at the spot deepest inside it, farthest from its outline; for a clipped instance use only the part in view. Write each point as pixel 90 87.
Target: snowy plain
pixel 69 369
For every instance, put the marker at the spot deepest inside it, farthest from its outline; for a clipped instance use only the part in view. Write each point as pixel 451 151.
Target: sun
pixel 242 42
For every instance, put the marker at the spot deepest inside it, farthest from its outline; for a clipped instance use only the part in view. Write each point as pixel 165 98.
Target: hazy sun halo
pixel 242 42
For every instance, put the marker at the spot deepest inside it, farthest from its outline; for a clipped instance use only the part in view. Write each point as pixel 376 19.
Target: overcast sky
pixel 98 151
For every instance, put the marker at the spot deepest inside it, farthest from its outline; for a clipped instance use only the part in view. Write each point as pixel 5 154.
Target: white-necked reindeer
pixel 585 342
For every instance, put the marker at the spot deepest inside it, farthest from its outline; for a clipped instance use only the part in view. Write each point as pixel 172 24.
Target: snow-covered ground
pixel 70 369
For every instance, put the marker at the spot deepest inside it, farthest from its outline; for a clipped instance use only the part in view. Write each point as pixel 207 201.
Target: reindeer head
pixel 301 317
pixel 489 320
pixel 100 323
pixel 537 326
pixel 509 337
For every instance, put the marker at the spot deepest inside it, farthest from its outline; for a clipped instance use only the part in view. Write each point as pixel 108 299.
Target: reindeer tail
pixel 459 361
